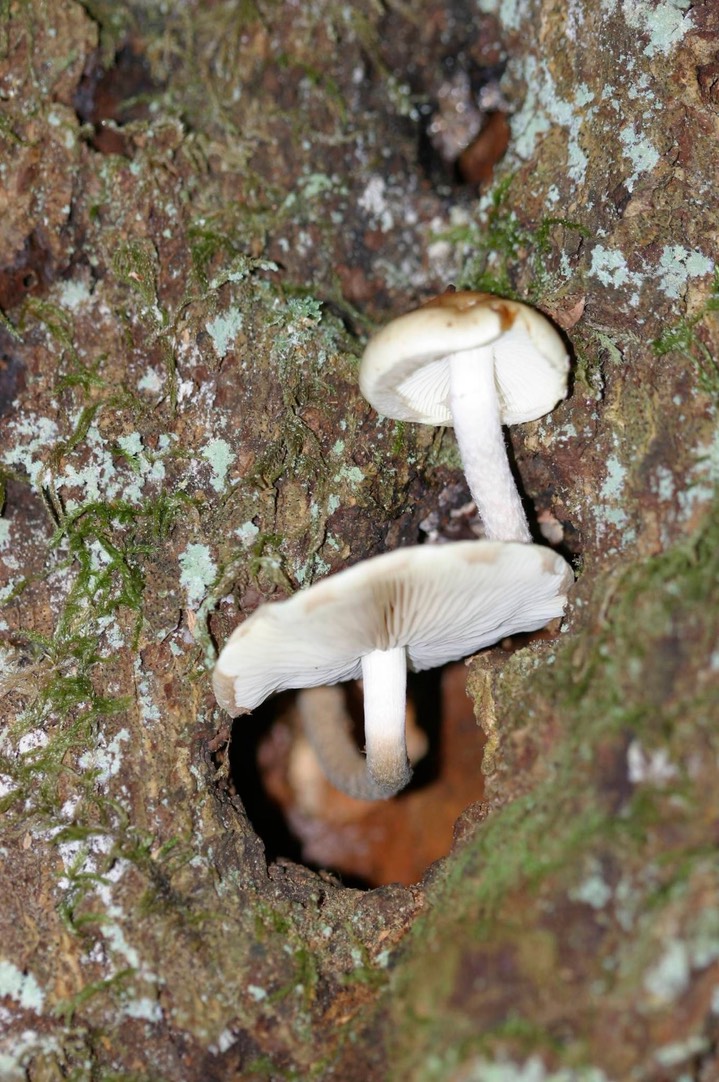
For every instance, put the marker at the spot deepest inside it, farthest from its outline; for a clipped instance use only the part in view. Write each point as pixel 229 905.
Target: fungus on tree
pixel 474 361
pixel 418 607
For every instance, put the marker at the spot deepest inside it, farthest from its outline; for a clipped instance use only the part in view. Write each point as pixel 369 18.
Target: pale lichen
pixel 197 572
pixel 105 759
pixel 669 977
pixel 220 456
pixel 223 329
pixel 21 986
pixel 665 23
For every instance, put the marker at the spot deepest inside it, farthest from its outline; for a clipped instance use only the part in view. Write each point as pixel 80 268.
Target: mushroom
pixel 327 726
pixel 419 606
pixel 474 361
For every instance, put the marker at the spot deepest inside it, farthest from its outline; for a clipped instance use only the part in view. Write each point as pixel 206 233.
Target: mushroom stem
pixel 328 727
pixel 476 417
pixel 384 673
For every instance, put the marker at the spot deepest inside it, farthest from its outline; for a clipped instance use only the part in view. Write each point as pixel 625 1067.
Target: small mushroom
pixel 474 361
pixel 420 606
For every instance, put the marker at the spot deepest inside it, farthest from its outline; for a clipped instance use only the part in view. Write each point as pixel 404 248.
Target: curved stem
pixel 475 412
pixel 327 726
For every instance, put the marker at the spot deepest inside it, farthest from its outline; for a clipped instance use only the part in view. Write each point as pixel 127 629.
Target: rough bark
pixel 203 211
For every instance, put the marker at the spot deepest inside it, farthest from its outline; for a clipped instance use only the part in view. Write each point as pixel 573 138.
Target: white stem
pixel 384 673
pixel 328 727
pixel 475 411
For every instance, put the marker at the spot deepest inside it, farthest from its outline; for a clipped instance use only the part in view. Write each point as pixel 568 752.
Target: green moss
pixel 267 560
pixel 56 320
pixel 100 547
pixel 501 246
pixel 685 340
pixel 641 672
pixel 594 352
pixel 399 440
pixel 212 245
pixel 270 921
pixel 304 978
pixel 264 1067
pixel 135 264
pixel 9 328
pixel 523 846
pixel 661 595
pixel 67 1008
pixel 36 776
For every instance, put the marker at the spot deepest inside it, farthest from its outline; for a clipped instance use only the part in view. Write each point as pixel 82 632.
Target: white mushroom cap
pixel 420 606
pixel 405 370
pixel 474 361
pixel 440 602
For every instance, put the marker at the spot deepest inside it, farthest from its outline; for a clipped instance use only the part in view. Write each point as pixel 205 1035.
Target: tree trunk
pixel 204 211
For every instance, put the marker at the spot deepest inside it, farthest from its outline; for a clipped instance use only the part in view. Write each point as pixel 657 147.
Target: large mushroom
pixel 418 607
pixel 474 361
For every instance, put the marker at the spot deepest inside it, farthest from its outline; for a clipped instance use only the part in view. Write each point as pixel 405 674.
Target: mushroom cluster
pixel 465 359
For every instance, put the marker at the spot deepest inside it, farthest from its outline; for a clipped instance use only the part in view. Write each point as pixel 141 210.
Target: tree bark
pixel 203 212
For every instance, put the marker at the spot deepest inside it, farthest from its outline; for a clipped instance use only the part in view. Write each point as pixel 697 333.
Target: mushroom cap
pixel 439 602
pixel 405 370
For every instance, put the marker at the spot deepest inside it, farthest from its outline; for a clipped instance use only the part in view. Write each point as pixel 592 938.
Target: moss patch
pixel 610 748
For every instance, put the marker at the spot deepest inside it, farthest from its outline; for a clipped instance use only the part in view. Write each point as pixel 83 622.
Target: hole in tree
pixel 300 816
